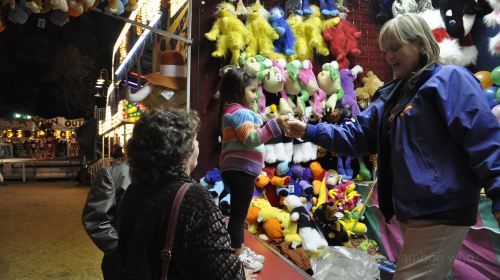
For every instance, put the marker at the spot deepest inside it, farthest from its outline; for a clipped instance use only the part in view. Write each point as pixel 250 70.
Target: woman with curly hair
pixel 162 152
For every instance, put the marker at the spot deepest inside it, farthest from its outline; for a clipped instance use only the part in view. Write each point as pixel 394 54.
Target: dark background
pixel 52 71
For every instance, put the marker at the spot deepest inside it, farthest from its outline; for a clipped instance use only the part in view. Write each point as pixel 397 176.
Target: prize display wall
pixel 310 172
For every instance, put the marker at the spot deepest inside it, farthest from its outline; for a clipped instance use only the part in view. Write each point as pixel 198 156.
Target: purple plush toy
pixel 347 78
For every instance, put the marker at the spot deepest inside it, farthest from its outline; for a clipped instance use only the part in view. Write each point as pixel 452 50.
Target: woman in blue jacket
pixel 437 142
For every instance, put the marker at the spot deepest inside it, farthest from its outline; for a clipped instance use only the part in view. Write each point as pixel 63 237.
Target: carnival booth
pixel 323 64
pixel 34 147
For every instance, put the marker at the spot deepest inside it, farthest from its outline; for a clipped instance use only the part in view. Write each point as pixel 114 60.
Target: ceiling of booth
pixel 51 71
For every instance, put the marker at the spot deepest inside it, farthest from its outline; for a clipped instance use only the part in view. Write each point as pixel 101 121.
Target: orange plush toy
pixel 343 40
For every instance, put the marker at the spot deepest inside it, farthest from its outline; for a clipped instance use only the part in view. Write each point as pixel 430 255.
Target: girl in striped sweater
pixel 242 156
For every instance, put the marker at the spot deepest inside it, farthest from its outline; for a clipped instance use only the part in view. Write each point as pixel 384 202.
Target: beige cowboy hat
pixel 172 71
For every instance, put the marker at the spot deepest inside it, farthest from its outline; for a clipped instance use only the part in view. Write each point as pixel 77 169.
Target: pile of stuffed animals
pixel 307 208
pixel 17 11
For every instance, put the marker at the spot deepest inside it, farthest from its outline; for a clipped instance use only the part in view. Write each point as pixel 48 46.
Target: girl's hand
pixel 296 128
pixel 282 122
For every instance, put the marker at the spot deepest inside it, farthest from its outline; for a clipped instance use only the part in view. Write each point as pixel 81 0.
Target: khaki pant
pixel 429 249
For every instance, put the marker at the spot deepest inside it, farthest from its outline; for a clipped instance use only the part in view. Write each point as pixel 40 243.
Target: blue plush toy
pixel 327 7
pixel 286 41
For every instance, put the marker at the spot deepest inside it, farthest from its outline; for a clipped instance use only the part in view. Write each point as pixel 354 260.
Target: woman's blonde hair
pixel 411 28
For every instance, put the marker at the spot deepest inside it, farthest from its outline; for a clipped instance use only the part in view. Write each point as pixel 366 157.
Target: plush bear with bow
pixel 312 241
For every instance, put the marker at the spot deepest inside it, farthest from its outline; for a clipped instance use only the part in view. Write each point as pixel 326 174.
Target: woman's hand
pixel 296 128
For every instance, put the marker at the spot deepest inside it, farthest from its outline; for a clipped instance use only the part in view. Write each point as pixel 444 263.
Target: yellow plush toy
pixel 299 29
pixel 229 32
pixel 370 85
pixel 314 27
pixel 262 33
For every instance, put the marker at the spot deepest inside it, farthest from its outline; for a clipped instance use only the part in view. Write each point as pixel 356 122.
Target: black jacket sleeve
pixel 99 213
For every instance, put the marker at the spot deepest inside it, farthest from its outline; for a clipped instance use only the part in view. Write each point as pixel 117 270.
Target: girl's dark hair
pixel 160 144
pixel 232 86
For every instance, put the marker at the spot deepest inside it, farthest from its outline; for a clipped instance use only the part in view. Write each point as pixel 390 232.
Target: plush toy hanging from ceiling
pixel 492 20
pixel 301 47
pixel 284 44
pixel 343 40
pixel 314 31
pixel 262 33
pixel 167 87
pixel 229 32
pixel 328 8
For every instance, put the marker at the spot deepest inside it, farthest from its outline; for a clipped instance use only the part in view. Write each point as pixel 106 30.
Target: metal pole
pixel 188 78
pixel 152 29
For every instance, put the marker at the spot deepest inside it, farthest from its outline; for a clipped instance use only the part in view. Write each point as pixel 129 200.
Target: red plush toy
pixel 343 40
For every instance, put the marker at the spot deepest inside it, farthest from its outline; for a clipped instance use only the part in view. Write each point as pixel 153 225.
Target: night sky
pixel 52 71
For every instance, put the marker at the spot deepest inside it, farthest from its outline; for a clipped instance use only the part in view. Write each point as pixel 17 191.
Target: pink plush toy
pixel 310 84
pixel 343 40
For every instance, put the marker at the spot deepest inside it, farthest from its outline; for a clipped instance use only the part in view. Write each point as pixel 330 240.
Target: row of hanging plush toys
pixel 60 10
pixel 306 31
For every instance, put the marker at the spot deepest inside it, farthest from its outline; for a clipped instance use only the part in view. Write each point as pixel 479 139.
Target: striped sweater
pixel 243 139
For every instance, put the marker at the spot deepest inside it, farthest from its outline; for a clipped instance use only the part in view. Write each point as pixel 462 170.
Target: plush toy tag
pixel 279 78
pixel 294 245
pixel 291 188
pixel 167 94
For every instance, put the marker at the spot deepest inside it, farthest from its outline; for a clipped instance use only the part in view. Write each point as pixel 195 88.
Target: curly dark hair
pixel 160 143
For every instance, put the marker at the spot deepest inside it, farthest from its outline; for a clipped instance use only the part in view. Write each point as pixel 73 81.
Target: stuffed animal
pixel 39 6
pixel 451 22
pixel 300 29
pixel 449 50
pixel 167 87
pixel 312 241
pixel 298 172
pixel 310 84
pixel 274 78
pixel 365 93
pixel 492 20
pixel 314 29
pixel 229 32
pixel 343 40
pixel 347 79
pixel 352 224
pixel 328 222
pixel 284 44
pixel 329 82
pixel 328 8
pixel 261 31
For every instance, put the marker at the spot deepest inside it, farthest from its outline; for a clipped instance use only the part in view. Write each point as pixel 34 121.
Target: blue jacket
pixel 445 145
